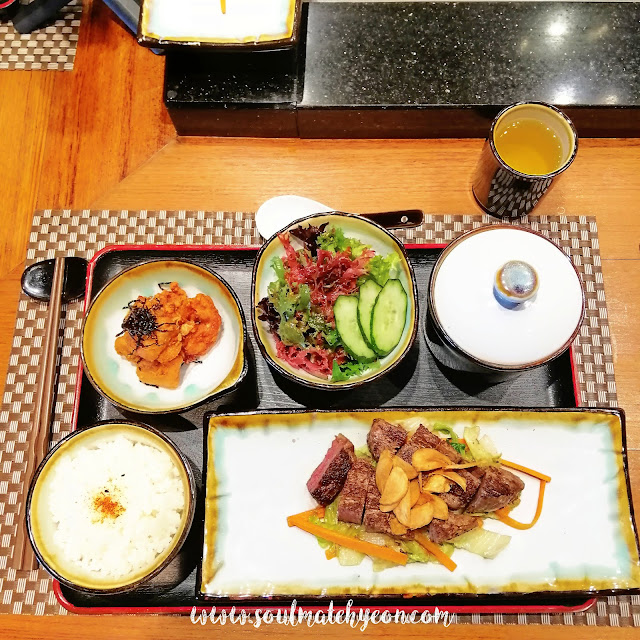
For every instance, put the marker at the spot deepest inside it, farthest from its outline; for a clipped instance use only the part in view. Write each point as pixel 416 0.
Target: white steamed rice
pixel 144 480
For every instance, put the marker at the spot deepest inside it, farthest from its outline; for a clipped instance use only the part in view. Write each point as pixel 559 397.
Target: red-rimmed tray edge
pixel 486 609
pixel 505 609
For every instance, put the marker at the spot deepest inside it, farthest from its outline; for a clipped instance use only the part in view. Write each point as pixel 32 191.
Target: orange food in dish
pixel 162 332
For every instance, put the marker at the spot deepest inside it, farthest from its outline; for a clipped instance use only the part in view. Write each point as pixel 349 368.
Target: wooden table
pixel 99 137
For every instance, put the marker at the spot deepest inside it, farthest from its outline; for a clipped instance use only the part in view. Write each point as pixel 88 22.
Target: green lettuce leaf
pixel 278 267
pixel 334 240
pixel 350 369
pixel 317 322
pixel 290 333
pixel 304 297
pixel 285 301
pixel 383 268
pixel 332 337
pixel 323 328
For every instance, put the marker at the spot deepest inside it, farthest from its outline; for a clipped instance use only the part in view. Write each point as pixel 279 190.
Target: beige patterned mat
pixel 52 48
pixel 82 233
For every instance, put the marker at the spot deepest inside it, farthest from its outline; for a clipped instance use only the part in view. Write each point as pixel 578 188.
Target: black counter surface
pixel 419 69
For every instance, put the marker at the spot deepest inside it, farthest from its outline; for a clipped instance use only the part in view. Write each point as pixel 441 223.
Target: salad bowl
pixel 334 301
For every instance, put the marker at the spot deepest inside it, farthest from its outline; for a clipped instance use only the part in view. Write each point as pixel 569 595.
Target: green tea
pixel 529 146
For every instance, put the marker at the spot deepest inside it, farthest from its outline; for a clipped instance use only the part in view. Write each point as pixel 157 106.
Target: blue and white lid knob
pixel 516 283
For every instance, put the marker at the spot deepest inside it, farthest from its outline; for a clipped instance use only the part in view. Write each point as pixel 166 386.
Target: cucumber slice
pixel 367 297
pixel 389 317
pixel 345 311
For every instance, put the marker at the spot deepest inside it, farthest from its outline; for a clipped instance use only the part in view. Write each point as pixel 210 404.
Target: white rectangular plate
pixel 216 22
pixel 258 465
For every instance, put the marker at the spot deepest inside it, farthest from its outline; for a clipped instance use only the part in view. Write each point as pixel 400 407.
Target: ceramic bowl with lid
pixel 502 299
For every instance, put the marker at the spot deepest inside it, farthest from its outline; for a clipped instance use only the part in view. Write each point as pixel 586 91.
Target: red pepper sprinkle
pixel 106 507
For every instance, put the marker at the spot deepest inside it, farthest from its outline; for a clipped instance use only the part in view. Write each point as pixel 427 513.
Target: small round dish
pixel 217 372
pixel 92 503
pixel 383 242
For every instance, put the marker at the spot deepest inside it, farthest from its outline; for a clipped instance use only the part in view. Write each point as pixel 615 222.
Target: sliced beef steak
pixel 424 439
pixel 329 477
pixel 456 498
pixel 497 489
pixel 384 435
pixel 374 519
pixel 455 525
pixel 354 493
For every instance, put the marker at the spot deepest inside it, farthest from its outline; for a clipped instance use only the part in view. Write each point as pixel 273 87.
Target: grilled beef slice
pixel 329 477
pixel 455 525
pixel 424 439
pixel 374 519
pixel 354 493
pixel 384 435
pixel 498 488
pixel 456 498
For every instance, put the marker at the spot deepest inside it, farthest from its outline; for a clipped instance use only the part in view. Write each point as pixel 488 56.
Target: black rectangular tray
pixel 418 381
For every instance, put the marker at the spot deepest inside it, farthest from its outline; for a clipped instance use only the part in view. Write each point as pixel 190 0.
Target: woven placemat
pixel 52 48
pixel 82 233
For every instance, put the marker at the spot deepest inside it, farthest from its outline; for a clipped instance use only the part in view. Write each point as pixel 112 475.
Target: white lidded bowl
pixel 503 299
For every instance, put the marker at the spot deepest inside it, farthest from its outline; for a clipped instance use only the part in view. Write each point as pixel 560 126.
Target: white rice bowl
pixel 109 506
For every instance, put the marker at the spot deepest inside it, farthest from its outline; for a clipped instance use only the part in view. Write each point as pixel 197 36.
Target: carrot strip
pixel 503 513
pixel 330 553
pixel 318 511
pixel 529 472
pixel 435 551
pixel 368 548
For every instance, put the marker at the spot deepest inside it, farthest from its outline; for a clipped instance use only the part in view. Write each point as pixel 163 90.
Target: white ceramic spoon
pixel 276 213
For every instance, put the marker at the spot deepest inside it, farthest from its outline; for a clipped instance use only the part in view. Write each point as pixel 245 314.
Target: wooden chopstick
pixel 23 557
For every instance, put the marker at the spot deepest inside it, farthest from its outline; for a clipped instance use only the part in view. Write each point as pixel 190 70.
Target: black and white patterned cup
pixel 501 190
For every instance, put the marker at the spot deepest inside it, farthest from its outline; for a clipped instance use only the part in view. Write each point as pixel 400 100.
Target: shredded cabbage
pixel 417 553
pixel 380 565
pixel 482 542
pixel 411 424
pixel 348 557
pixel 364 453
pixel 482 449
pixel 331 522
